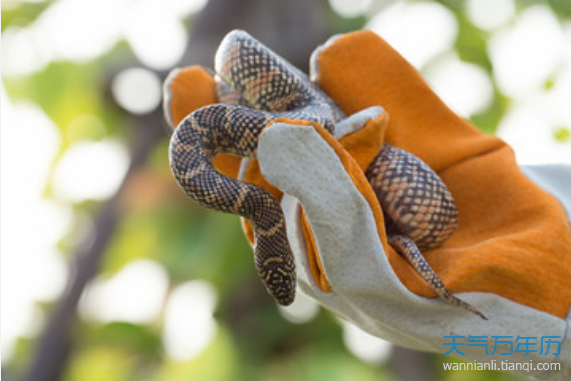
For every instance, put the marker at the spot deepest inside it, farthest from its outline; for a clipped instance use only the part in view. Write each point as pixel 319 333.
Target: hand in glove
pixel 509 257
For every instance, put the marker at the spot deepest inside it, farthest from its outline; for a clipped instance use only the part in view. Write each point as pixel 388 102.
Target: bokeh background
pixel 110 273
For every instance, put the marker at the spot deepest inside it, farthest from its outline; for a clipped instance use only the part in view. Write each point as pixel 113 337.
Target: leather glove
pixel 510 256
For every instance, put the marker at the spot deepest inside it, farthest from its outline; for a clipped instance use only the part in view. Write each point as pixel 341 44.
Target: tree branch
pixel 54 347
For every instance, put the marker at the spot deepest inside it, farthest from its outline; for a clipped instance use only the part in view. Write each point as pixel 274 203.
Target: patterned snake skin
pixel 256 86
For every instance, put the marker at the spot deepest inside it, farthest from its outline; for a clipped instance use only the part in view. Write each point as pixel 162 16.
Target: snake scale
pixel 256 86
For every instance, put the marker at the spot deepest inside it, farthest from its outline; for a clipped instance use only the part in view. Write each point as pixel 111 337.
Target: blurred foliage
pixel 23 14
pixel 253 341
pixel 562 7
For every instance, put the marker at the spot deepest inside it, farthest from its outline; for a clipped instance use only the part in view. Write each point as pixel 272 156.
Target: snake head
pixel 268 82
pixel 275 264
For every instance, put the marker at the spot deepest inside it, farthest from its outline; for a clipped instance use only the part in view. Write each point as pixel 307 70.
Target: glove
pixel 510 256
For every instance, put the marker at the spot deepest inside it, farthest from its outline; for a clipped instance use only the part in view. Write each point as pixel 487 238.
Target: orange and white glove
pixel 510 256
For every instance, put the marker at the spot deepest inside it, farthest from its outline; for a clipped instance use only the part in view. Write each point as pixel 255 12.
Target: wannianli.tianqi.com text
pixel 503 365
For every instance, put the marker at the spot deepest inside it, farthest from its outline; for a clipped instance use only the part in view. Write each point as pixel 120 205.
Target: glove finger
pixel 340 217
pixel 378 75
pixel 185 90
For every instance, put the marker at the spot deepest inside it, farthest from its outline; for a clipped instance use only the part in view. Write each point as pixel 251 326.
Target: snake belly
pixel 259 87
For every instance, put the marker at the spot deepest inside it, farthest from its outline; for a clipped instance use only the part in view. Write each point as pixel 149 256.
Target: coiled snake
pixel 256 86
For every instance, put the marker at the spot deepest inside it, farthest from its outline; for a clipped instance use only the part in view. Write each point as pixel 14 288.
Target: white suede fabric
pixel 366 291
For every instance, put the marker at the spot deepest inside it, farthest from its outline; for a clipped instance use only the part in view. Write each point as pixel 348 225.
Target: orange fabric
pixel 315 264
pixel 194 87
pixel 363 146
pixel 356 151
pixel 513 239
pixel 253 175
pixel 191 88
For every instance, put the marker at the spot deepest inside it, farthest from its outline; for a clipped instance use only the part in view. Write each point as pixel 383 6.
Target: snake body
pixel 258 87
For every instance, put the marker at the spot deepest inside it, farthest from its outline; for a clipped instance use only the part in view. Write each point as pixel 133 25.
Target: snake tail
pixel 406 247
pixel 230 129
pixel 419 210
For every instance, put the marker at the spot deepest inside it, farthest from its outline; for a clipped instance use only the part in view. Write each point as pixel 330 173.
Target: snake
pixel 255 86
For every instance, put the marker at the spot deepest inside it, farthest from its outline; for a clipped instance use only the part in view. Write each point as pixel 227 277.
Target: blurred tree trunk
pixel 54 347
pixel 293 28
